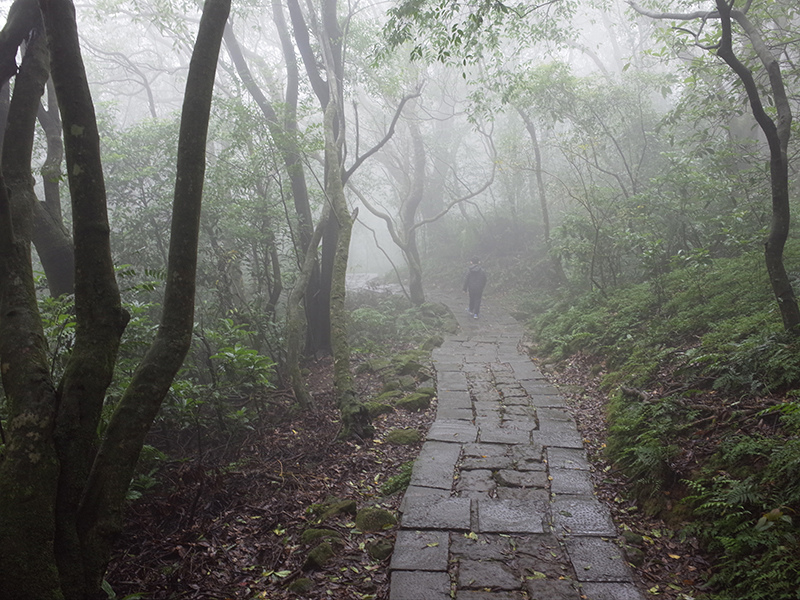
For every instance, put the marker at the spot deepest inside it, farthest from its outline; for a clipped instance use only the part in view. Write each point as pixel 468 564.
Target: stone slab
pixel 481 547
pixel 521 479
pixel 504 435
pixel 551 589
pixel 478 480
pixel 537 387
pixel 555 414
pixel 484 595
pixel 492 395
pixel 571 481
pixel 509 516
pixel 419 585
pixel 480 574
pixel 455 398
pixel 552 401
pixel 451 413
pixel 566 438
pixel 557 428
pixel 492 463
pixel 413 491
pixel 536 497
pixel 581 515
pixel 435 465
pixel 596 559
pixel 567 458
pixel 449 381
pixel 485 450
pixel 453 431
pixel 420 551
pixel 611 591
pixel 436 513
pixel 445 364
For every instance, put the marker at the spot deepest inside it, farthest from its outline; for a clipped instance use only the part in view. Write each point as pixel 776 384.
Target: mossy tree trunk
pixel 355 417
pixel 29 465
pixel 61 498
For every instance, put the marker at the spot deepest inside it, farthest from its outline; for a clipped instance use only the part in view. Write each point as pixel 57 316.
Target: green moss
pixel 414 402
pixel 312 535
pixel 378 408
pixel 403 437
pixel 374 519
pixel 320 555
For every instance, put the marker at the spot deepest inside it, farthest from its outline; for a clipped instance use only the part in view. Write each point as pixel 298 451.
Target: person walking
pixel 474 283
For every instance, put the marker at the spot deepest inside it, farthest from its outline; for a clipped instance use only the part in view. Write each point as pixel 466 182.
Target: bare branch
pixel 346 175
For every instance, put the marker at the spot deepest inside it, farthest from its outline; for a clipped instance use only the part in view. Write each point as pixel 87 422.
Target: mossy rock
pixel 390 385
pixel 428 391
pixel 313 534
pixel 320 555
pixel 333 506
pixel 414 402
pixel 432 342
pixel 301 585
pixel 378 408
pixel 407 382
pixel 435 309
pixel 389 397
pixel 403 437
pixel 374 519
pixel 380 549
pixel 409 366
pixel 635 556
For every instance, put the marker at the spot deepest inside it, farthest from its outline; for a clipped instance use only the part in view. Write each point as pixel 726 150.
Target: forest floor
pixel 226 521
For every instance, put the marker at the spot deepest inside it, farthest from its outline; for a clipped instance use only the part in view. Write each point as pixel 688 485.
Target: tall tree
pixel 61 497
pixel 777 131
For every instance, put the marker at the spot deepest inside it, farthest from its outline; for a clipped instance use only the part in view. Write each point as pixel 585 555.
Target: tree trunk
pixel 29 466
pixel 295 317
pixel 355 417
pixel 100 517
pixel 409 216
pixel 777 135
pixel 58 517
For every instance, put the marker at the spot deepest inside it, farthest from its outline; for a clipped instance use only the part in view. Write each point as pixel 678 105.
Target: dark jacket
pixel 475 280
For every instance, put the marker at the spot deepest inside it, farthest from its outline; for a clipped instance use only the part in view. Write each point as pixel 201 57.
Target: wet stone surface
pixel 501 504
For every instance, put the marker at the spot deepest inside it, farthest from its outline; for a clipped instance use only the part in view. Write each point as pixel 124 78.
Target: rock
pixel 378 408
pixel 403 437
pixel 388 397
pixel 380 549
pixel 390 386
pixel 414 402
pixel 313 534
pixel 374 519
pixel 407 382
pixel 319 556
pixel 332 507
pixel 635 556
pixel 300 585
pixel 432 342
pixel 632 538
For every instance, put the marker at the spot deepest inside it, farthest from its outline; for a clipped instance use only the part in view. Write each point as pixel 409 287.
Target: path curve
pixel 501 504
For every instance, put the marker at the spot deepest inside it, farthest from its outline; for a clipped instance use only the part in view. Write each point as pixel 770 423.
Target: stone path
pixel 501 504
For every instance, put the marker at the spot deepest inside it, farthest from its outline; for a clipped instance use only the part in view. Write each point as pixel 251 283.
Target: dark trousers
pixel 475 301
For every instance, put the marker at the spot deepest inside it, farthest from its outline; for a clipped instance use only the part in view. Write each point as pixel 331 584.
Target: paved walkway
pixel 501 504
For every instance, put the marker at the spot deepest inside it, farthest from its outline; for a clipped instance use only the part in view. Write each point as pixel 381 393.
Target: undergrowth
pixel 702 388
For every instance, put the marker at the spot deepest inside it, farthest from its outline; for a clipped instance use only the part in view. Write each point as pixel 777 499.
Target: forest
pixel 228 230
